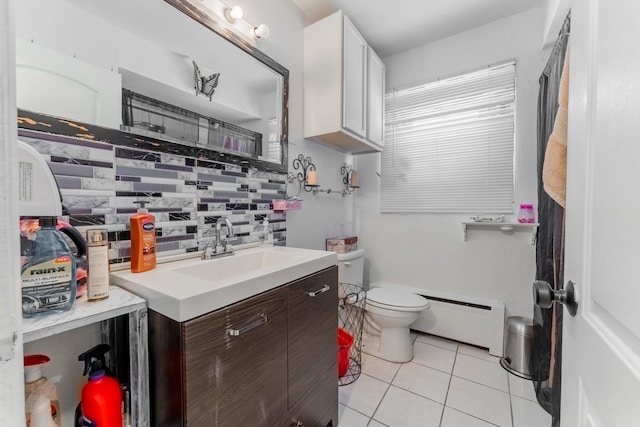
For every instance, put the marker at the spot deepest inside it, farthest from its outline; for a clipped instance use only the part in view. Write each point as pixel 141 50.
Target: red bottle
pixel 101 401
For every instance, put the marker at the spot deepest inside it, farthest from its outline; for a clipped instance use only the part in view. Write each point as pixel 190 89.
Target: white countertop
pixel 183 290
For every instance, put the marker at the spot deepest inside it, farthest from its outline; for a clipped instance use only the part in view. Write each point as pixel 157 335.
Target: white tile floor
pixel 447 384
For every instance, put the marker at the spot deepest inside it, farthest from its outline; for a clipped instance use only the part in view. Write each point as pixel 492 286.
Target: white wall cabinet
pixel 343 87
pixel 375 92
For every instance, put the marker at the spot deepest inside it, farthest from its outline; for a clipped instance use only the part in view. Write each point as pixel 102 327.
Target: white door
pixel 601 345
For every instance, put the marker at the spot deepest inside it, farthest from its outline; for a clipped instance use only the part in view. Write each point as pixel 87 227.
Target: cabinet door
pixel 313 338
pixel 236 364
pixel 319 408
pixel 354 82
pixel 375 111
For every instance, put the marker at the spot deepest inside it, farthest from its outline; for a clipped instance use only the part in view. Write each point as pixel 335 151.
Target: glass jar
pixel 526 214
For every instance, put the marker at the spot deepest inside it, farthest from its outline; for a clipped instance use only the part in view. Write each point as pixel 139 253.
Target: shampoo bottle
pixel 143 240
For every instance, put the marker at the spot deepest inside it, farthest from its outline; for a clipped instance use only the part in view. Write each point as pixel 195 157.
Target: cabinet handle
pixel 317 292
pixel 246 328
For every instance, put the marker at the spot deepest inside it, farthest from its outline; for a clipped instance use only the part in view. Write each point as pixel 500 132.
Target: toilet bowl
pixel 388 312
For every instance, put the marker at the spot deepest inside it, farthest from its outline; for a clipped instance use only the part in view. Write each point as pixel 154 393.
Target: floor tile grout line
pixel 510 402
pixel 459 410
pixel 361 413
pixel 380 403
pixel 497 361
pixel 446 396
pixel 473 416
pixel 436 345
pixel 486 385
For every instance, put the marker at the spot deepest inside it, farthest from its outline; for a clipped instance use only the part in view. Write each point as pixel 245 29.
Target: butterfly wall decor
pixel 204 85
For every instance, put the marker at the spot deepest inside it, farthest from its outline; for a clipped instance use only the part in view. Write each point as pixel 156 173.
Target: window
pixel 274 152
pixel 449 145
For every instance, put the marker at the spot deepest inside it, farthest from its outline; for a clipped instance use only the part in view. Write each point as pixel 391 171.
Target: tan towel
pixel 554 168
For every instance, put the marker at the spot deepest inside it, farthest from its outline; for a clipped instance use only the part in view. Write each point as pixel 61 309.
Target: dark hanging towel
pixel 546 352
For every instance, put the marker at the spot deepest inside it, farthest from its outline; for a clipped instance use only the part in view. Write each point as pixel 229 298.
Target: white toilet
pixel 388 312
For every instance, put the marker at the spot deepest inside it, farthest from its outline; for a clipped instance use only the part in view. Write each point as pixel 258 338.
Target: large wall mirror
pixel 158 43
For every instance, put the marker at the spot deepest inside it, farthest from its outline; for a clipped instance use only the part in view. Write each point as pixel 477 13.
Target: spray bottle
pixel 94 360
pixel 36 384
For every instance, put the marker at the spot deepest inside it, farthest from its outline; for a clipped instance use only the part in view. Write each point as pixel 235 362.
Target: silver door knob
pixel 544 296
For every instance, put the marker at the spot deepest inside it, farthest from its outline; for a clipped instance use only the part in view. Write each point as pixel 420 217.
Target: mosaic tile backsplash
pixel 99 183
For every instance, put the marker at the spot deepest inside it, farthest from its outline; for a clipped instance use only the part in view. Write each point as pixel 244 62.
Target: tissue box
pixel 342 244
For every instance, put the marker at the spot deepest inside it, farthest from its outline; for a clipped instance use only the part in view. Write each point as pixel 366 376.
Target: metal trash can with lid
pixel 518 340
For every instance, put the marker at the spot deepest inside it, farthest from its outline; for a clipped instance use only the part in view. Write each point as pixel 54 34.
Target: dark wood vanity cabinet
pixel 269 360
pixel 312 337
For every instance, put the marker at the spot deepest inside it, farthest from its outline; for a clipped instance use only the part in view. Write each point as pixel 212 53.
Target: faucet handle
pixel 207 251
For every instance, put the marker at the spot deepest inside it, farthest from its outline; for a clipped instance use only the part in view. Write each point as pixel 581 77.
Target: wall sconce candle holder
pixel 350 179
pixel 308 177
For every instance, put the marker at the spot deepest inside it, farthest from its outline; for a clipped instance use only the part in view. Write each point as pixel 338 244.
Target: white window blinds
pixel 449 145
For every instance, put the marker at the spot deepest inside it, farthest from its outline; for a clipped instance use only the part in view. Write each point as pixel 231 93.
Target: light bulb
pixel 262 31
pixel 233 13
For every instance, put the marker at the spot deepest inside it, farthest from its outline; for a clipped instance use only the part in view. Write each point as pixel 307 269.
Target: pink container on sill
pixel 526 215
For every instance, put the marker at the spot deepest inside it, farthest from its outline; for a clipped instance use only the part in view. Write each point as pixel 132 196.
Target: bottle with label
pixel 143 240
pixel 49 273
pixel 97 265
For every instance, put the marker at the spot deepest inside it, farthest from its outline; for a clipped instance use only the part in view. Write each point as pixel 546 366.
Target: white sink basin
pixel 183 290
pixel 241 263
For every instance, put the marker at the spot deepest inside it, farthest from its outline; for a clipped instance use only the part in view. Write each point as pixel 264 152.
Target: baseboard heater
pixel 469 320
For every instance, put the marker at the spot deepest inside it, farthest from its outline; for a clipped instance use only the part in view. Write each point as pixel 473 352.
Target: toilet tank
pixel 351 267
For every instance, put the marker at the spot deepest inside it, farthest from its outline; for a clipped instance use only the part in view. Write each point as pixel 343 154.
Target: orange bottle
pixel 143 240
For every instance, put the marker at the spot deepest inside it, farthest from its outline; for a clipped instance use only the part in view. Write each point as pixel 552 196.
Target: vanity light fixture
pixel 231 19
pixel 233 13
pixel 262 31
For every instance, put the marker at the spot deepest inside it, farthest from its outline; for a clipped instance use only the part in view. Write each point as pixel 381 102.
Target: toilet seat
pixel 396 300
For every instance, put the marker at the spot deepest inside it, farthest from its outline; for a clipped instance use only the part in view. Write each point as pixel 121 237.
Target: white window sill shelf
pixel 502 226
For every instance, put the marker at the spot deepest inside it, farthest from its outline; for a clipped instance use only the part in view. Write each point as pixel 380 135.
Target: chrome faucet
pixel 220 246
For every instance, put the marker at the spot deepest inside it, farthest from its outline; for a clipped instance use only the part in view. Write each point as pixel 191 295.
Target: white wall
pixel 427 251
pixel 555 11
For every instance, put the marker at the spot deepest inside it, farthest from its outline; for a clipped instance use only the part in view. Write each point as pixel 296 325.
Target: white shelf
pixel 502 226
pixel 83 312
